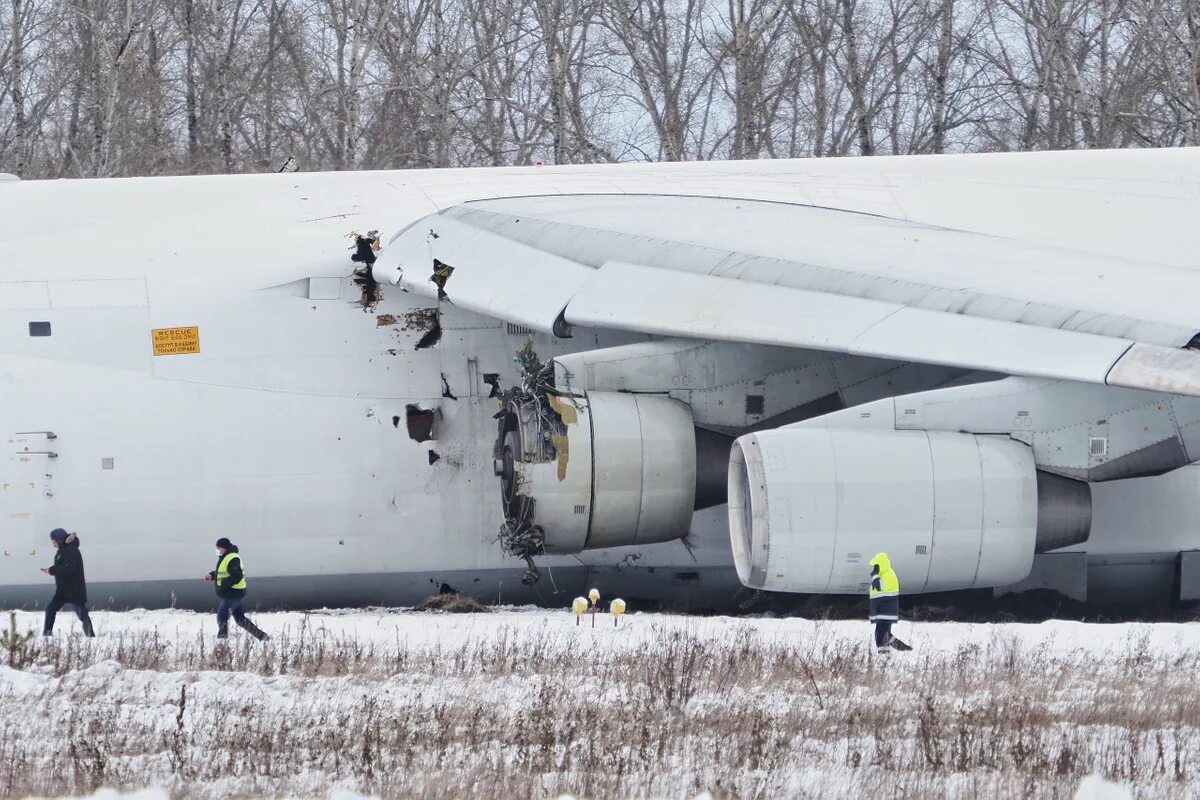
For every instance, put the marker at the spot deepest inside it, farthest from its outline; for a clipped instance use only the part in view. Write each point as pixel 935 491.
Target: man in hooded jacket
pixel 70 585
pixel 230 582
pixel 885 603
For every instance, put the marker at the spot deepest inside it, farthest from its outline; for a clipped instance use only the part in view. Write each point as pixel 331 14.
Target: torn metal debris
pixel 531 429
pixel 606 468
pixel 420 319
pixel 441 274
pixel 365 248
pixel 371 293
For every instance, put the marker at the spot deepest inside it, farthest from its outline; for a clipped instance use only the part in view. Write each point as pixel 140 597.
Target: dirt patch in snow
pixel 452 603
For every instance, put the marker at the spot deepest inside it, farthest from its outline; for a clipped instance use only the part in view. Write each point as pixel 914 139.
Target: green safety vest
pixel 223 572
pixel 889 583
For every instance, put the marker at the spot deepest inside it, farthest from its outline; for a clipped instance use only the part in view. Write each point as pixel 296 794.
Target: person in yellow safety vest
pixel 885 603
pixel 231 588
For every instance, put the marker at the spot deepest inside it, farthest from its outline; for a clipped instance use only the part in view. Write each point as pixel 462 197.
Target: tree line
pixel 92 88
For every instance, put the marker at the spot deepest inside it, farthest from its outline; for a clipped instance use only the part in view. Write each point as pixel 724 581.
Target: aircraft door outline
pixel 26 484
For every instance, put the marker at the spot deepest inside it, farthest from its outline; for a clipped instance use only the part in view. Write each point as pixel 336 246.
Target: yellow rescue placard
pixel 175 341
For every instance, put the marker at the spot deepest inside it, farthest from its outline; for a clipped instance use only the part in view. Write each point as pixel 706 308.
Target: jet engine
pixel 809 507
pixel 596 469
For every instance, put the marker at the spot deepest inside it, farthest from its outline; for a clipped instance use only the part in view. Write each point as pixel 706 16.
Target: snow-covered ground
pixel 524 703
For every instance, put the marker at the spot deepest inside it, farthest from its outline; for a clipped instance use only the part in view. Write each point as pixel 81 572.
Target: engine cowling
pixel 809 507
pixel 595 469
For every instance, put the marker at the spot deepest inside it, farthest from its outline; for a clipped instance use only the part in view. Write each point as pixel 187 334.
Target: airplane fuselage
pixel 183 359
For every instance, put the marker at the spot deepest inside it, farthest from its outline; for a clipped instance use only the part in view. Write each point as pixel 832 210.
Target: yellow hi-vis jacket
pixel 223 573
pixel 885 590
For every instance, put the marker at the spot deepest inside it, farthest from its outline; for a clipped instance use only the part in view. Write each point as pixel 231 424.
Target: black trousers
pixel 883 633
pixel 228 606
pixel 232 606
pixel 81 611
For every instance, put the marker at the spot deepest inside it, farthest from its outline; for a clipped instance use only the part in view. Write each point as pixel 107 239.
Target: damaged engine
pixel 581 470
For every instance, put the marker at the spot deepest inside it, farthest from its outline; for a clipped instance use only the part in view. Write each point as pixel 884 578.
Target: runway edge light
pixel 594 596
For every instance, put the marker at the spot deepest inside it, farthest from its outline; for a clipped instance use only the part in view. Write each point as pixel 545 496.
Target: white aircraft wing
pixel 782 274
pixel 702 306
pixel 492 274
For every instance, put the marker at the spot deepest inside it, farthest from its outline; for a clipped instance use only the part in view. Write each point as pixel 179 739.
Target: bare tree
pixel 14 69
pixel 815 22
pixel 123 87
pixel 754 53
pixel 660 39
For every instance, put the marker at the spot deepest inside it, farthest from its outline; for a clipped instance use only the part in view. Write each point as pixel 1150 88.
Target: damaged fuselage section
pixel 581 470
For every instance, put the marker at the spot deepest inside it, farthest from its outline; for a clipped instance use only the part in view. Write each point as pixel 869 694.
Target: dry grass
pixel 531 712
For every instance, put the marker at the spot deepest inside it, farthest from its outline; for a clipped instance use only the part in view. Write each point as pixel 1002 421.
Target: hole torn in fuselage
pixel 431 337
pixel 371 293
pixel 421 423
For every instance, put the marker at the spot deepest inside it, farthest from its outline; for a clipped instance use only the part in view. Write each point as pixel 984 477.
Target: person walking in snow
pixel 885 603
pixel 230 579
pixel 70 585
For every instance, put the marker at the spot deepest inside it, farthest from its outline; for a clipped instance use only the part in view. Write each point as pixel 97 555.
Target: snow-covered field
pixel 522 703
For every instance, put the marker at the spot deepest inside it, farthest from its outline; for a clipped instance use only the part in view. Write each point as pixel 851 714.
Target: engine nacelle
pixel 595 469
pixel 809 507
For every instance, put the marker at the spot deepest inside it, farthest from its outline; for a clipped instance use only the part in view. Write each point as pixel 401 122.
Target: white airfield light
pixel 594 597
pixel 580 606
pixel 616 608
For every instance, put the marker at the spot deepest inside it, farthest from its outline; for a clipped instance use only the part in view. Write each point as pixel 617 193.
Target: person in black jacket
pixel 70 585
pixel 231 588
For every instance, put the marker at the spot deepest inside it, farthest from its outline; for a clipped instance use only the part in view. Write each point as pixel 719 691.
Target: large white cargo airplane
pixel 985 365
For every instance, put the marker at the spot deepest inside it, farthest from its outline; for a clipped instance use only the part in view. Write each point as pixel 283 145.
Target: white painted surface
pixel 280 430
pixel 952 511
pixel 1161 369
pixel 668 303
pixel 645 469
pixel 1058 419
pixel 492 275
pixel 871 257
pixel 625 476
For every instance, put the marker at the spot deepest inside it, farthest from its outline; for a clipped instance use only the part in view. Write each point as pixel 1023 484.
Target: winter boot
pixel 252 629
pixel 896 644
pixel 222 630
pixel 88 630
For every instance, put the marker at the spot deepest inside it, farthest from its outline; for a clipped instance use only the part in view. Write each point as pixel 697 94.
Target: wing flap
pixel 649 300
